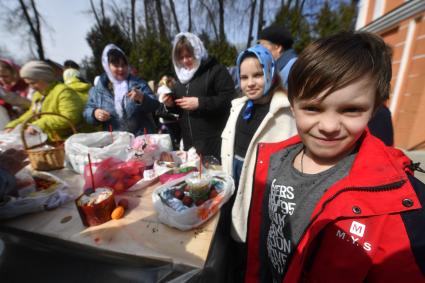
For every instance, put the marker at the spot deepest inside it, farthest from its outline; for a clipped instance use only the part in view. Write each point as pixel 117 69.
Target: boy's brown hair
pixel 334 62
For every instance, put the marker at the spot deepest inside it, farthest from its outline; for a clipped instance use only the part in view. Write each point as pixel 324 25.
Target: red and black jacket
pixel 368 227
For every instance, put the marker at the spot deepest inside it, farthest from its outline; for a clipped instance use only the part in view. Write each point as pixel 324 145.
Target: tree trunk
pixel 260 17
pixel 96 17
pixel 189 16
pixel 147 27
pixel 133 21
pixel 251 22
pixel 173 11
pixel 34 25
pixel 211 16
pixel 221 17
pixel 102 10
pixel 162 31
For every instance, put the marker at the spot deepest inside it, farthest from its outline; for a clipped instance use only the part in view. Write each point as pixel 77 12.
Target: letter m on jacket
pixel 357 228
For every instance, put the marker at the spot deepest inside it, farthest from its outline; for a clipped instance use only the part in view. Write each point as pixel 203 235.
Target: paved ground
pixel 418 156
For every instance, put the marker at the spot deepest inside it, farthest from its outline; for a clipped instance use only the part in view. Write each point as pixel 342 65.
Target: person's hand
pixel 136 95
pixel 168 100
pixel 13 160
pixel 101 115
pixel 8 130
pixel 188 103
pixel 31 131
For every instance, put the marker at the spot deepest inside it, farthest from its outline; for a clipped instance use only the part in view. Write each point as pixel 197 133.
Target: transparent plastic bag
pixel 100 145
pixel 115 174
pixel 44 198
pixel 172 212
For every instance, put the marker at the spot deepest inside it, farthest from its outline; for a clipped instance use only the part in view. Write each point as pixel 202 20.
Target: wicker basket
pixel 45 159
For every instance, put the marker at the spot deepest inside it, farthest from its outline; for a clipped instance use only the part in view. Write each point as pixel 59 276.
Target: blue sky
pixel 64 38
pixel 67 26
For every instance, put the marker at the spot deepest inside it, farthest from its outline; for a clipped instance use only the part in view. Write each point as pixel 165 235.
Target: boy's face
pixel 330 128
pixel 252 78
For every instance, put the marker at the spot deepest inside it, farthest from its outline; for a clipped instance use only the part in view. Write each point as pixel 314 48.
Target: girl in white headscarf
pixel 119 99
pixel 203 93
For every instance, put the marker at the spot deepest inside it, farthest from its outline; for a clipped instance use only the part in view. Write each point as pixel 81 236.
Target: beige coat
pixel 277 125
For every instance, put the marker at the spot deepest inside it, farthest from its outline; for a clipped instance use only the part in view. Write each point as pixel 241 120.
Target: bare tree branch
pixel 189 16
pixel 221 17
pixel 260 17
pixel 251 22
pixel 162 31
pixel 211 17
pixel 133 21
pixel 173 11
pixel 96 17
pixel 35 30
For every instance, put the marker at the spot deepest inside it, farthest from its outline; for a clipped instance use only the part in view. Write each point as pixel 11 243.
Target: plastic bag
pixel 25 183
pixel 171 210
pixel 162 140
pixel 149 147
pixel 50 193
pixel 13 139
pixel 100 145
pixel 114 173
pixel 183 163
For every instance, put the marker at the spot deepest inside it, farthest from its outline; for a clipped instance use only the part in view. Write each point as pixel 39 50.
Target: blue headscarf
pixel 267 63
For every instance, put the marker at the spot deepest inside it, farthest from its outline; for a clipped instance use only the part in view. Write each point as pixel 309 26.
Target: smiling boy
pixel 334 204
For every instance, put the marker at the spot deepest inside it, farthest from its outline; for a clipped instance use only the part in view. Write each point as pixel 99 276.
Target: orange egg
pixel 117 213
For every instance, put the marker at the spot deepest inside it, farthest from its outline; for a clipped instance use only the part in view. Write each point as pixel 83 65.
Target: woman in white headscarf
pixel 203 93
pixel 119 99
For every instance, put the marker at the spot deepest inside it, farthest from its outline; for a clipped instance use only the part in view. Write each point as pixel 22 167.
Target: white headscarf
pixel 120 87
pixel 199 51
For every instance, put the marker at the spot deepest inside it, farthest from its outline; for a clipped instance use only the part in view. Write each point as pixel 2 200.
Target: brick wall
pixel 409 117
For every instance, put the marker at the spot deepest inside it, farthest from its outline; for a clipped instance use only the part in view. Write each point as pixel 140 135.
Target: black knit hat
pixel 277 35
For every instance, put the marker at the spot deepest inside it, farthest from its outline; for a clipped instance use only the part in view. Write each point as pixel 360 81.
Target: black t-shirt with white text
pixel 289 201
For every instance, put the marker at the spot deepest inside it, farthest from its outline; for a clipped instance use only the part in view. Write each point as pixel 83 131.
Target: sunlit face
pixel 252 78
pixel 274 49
pixel 330 128
pixel 37 85
pixel 6 78
pixel 119 70
pixel 186 59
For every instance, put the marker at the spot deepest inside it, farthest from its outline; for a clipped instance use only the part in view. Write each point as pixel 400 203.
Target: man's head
pixel 275 38
pixel 70 64
pixel 334 88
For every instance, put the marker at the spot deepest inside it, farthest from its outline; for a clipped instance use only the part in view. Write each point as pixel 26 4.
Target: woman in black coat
pixel 203 93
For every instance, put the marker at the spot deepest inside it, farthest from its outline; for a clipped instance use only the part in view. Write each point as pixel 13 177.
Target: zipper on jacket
pixel 188 117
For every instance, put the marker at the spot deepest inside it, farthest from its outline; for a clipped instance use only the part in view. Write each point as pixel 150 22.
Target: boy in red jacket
pixel 334 204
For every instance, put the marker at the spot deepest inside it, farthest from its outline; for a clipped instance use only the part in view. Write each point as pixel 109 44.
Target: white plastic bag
pixel 100 145
pixel 148 147
pixel 47 199
pixel 163 141
pixel 171 212
pixel 13 139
